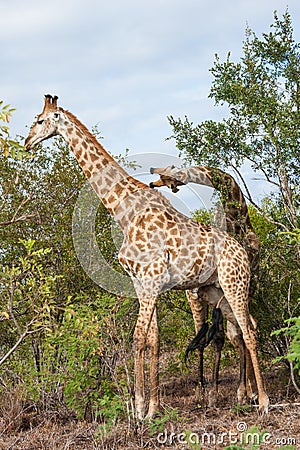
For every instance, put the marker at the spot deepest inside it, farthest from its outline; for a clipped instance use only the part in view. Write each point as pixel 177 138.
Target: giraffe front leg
pixel 139 376
pixel 250 376
pixel 251 385
pixel 153 342
pixel 147 307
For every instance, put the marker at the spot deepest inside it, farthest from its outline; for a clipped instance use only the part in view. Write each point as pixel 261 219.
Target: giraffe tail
pixel 216 318
pixel 198 342
pixel 205 335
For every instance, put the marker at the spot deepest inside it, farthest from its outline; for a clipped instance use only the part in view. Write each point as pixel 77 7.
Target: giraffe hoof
pixel 150 416
pixel 152 412
pixel 140 414
pixel 263 406
pixel 140 419
pixel 263 410
pixel 241 396
pixel 212 398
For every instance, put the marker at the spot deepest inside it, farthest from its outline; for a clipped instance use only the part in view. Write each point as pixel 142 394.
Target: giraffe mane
pixel 86 132
pixel 96 143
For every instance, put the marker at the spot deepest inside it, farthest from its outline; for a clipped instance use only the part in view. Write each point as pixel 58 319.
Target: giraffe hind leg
pixel 243 318
pixel 234 335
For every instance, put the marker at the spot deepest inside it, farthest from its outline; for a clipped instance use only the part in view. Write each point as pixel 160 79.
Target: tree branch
pixel 17 219
pixel 250 198
pixel 22 217
pixel 21 338
pixel 293 377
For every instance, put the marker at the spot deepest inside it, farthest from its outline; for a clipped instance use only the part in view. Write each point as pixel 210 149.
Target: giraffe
pixel 162 249
pixel 237 224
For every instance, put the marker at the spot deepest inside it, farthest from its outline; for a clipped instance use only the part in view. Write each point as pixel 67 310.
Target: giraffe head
pixel 170 176
pixel 46 124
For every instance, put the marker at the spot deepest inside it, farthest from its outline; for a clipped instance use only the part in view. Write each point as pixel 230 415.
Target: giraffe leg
pixel 234 334
pixel 199 309
pixel 250 341
pixel 147 307
pixel 242 315
pixel 251 385
pixel 198 306
pixel 250 376
pixel 234 278
pixel 153 342
pixel 247 384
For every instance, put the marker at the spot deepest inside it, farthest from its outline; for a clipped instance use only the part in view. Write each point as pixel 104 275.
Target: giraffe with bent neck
pixel 162 249
pixel 237 219
pixel 238 224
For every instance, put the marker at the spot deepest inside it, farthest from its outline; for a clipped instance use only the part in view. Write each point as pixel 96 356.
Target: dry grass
pixel 23 428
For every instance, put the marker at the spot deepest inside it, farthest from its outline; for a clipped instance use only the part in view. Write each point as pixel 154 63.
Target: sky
pixel 126 65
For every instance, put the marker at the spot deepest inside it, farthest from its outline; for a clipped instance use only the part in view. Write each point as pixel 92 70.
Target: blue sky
pixel 125 65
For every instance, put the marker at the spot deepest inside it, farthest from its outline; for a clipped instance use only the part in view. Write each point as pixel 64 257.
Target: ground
pixel 181 424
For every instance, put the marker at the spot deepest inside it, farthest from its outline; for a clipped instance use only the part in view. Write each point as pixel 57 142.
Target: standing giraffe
pixel 162 249
pixel 237 224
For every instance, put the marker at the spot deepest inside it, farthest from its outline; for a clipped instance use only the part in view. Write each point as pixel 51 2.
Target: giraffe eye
pixel 40 121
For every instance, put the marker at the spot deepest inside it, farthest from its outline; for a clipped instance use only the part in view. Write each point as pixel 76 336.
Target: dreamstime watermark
pixel 240 436
pixel 137 204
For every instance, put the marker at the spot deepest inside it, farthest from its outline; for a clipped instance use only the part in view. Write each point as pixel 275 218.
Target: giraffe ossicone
pixel 162 249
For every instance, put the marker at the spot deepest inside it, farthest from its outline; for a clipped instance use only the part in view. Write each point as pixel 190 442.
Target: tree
pixel 13 149
pixel 8 145
pixel 262 92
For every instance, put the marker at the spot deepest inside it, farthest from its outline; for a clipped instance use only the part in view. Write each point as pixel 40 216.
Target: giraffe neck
pixel 198 174
pixel 231 197
pixel 112 184
pixel 230 192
